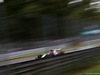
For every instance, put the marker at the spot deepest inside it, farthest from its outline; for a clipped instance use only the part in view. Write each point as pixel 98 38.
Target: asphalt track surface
pixel 33 57
pixel 13 55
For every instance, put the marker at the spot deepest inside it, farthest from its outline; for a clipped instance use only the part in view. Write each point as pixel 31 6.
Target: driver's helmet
pixel 50 51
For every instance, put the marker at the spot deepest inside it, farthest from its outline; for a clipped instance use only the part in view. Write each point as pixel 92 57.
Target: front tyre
pixel 39 56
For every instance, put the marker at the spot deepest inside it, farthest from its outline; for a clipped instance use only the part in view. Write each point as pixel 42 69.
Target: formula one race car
pixel 51 53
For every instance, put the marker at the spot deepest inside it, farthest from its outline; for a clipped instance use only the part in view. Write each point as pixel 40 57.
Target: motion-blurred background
pixel 32 27
pixel 28 24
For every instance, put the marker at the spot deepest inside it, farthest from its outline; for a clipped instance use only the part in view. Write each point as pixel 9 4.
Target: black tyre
pixel 61 53
pixel 39 56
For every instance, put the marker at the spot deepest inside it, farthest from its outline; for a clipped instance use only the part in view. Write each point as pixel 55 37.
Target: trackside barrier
pixel 52 66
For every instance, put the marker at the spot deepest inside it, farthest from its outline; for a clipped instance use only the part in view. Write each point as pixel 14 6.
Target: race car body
pixel 51 53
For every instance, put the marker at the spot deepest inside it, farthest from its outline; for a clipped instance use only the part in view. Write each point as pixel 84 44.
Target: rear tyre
pixel 61 53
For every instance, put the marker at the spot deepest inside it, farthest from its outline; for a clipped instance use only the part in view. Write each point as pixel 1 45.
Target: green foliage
pixel 21 29
pixel 40 7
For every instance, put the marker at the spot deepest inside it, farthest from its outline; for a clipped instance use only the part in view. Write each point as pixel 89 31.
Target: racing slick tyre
pixel 61 53
pixel 39 56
